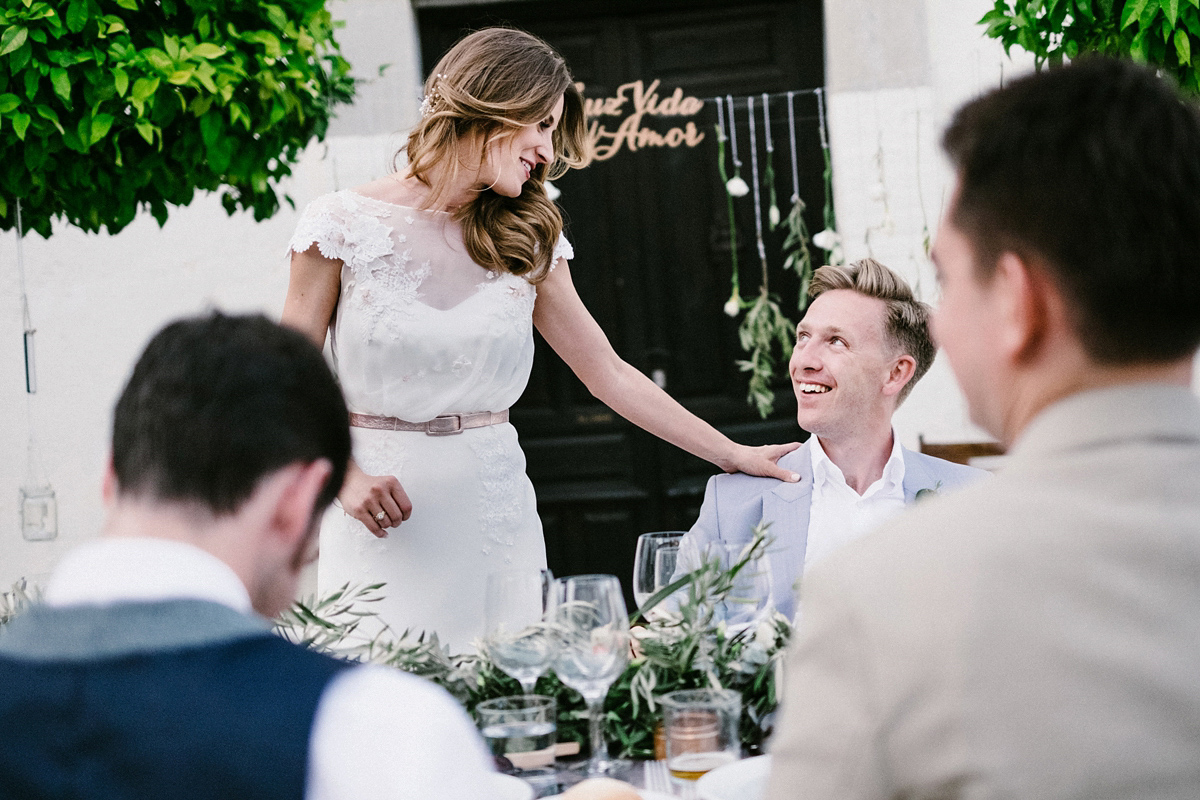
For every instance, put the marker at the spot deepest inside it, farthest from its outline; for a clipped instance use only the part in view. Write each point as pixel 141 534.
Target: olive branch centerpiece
pixel 686 647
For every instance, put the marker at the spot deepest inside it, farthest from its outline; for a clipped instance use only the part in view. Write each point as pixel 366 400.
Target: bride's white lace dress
pixel 422 330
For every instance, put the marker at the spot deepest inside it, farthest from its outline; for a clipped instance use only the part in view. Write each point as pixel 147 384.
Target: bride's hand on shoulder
pixel 761 461
pixel 377 501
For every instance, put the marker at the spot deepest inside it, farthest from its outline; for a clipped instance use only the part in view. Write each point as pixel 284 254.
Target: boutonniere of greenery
pixel 927 494
pixel 686 648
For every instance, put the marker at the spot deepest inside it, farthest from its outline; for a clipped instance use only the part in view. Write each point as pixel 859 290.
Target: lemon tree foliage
pixel 1165 33
pixel 108 106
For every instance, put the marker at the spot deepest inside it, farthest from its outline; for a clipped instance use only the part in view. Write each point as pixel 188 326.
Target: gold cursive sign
pixel 630 133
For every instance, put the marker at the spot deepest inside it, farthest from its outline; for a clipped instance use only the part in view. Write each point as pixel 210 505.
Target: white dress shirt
pixel 377 733
pixel 839 514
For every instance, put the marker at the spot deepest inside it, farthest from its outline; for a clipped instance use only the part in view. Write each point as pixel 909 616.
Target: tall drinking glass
pixel 654 563
pixel 515 631
pixel 592 628
pixel 701 727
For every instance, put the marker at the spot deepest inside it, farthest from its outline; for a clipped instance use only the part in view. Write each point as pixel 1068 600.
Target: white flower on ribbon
pixel 887 224
pixel 827 239
pixel 552 191
pixel 737 187
pixel 733 305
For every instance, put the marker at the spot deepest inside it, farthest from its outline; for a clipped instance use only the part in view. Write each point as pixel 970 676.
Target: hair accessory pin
pixel 430 100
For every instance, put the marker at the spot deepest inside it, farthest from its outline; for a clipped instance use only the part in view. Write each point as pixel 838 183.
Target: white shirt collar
pixel 825 471
pixel 112 570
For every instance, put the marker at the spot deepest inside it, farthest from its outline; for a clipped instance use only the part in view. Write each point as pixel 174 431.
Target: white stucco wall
pixel 896 71
pixel 886 115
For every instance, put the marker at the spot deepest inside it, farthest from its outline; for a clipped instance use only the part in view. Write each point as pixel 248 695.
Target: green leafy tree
pixel 1164 33
pixel 108 106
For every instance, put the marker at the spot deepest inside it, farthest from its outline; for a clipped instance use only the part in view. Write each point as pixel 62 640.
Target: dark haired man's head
pixel 217 403
pixel 1091 172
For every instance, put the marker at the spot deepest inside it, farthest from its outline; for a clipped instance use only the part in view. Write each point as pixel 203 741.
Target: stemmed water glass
pixel 752 597
pixel 592 628
pixel 654 563
pixel 515 631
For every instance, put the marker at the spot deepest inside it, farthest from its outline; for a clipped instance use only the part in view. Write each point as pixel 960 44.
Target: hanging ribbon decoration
pixel 769 170
pixel 828 239
pixel 758 226
pixel 797 256
pixel 926 239
pixel 734 304
pixel 736 186
pixel 792 143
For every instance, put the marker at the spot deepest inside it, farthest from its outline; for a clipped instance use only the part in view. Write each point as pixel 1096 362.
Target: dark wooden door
pixel 652 263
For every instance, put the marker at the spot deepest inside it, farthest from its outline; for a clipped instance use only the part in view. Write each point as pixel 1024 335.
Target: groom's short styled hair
pixel 217 403
pixel 906 323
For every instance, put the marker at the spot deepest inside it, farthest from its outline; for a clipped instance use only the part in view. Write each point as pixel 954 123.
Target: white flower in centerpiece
pixel 764 634
pixel 754 656
pixel 827 239
pixel 737 187
pixel 773 215
pixel 733 305
pixel 552 191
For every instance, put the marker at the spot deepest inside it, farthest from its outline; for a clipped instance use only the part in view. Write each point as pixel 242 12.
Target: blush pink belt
pixel 442 425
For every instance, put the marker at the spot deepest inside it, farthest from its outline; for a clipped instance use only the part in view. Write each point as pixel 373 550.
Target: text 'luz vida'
pixel 630 133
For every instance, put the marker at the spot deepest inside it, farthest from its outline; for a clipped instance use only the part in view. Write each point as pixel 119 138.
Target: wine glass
pixel 752 597
pixel 592 628
pixel 515 632
pixel 654 563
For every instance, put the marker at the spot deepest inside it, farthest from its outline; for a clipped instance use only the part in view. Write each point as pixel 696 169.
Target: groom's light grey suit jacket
pixel 734 504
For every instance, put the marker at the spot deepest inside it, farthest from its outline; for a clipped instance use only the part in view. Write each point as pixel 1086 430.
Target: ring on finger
pixel 381 516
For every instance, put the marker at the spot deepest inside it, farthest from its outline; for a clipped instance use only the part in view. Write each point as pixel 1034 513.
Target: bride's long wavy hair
pixel 488 86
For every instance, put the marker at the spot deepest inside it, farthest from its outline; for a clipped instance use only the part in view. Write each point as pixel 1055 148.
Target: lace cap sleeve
pixel 562 249
pixel 343 227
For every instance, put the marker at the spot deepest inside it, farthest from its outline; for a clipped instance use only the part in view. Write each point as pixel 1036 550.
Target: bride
pixel 429 283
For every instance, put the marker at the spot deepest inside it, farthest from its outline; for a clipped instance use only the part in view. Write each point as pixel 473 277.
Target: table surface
pixel 567 777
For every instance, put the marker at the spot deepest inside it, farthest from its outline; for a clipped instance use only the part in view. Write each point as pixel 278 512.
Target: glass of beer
pixel 701 727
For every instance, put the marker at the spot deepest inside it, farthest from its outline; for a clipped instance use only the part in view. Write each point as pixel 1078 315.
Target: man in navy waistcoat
pixel 147 673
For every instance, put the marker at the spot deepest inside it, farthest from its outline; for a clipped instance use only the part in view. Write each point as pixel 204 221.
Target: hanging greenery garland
pixel 797 256
pixel 734 304
pixel 766 333
pixel 828 240
pixel 769 169
pixel 765 325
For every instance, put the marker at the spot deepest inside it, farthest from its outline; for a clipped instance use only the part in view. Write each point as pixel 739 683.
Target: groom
pixel 146 673
pixel 861 347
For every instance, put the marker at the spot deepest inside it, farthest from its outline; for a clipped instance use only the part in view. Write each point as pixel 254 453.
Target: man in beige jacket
pixel 1037 635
